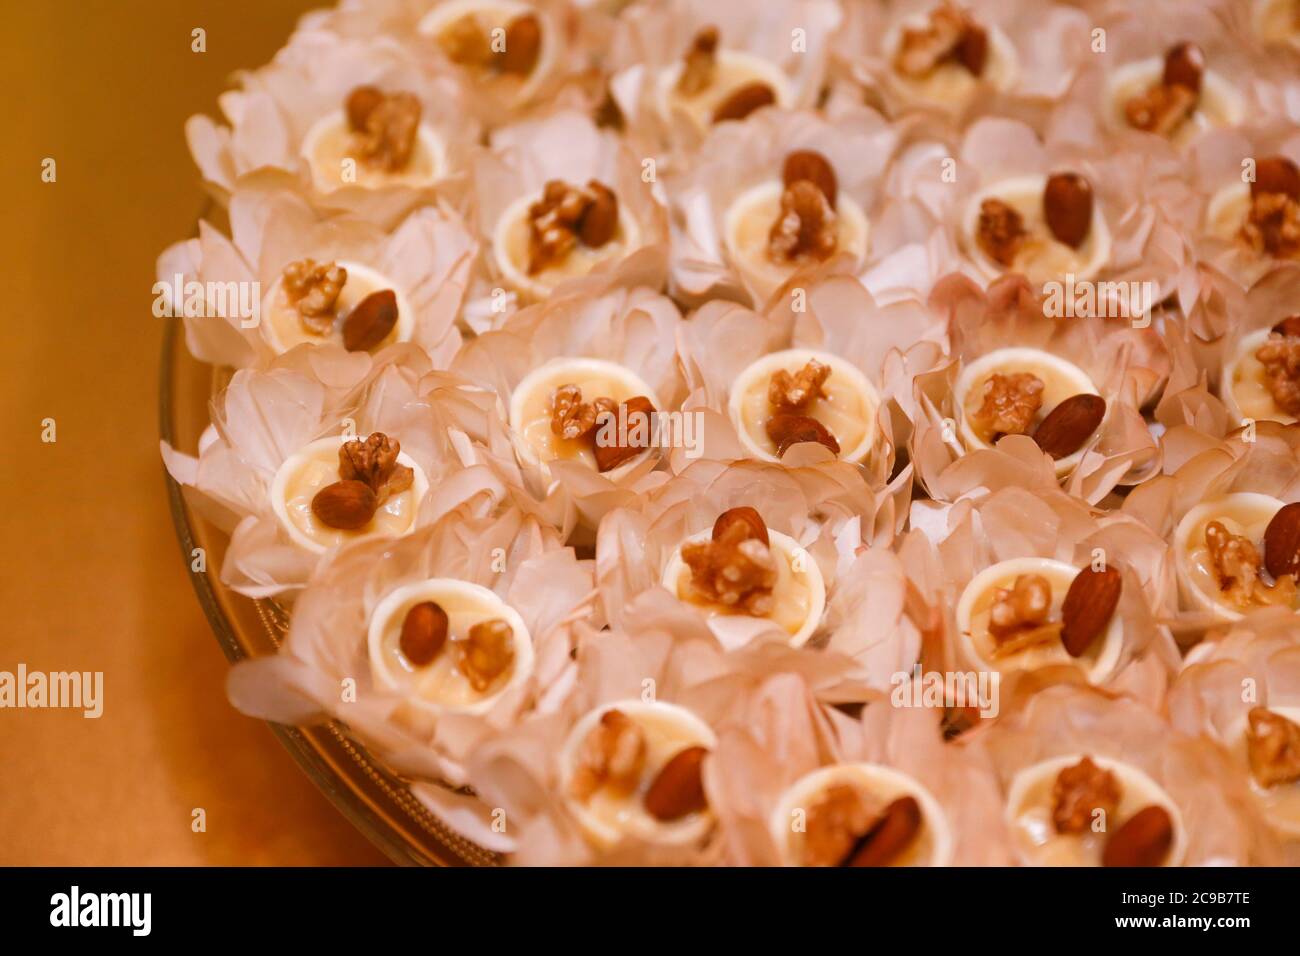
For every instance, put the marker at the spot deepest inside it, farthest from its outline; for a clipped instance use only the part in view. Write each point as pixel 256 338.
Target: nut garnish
pixel 951 36
pixel 565 214
pixel 571 417
pixel 346 505
pixel 1273 747
pixel 523 45
pixel 424 632
pixel 1088 607
pixel 370 321
pixel 734 567
pixel 1079 791
pixel 1009 405
pixel 1273 224
pixel 313 289
pixel 1143 840
pixel 1236 564
pixel 1165 105
pixel 466 42
pixel 1000 232
pixel 1019 616
pixel 385 126
pixel 835 823
pixel 631 425
pixel 786 430
pixel 611 757
pixel 744 100
pixel 807 226
pixel 737 524
pixel 486 653
pixel 1282 542
pixel 813 166
pixel 678 789
pixel 890 836
pixel 800 389
pixel 374 462
pixel 1067 426
pixel 701 64
pixel 1067 207
pixel 1280 356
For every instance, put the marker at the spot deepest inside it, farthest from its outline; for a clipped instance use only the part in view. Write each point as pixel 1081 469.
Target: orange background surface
pixel 91 577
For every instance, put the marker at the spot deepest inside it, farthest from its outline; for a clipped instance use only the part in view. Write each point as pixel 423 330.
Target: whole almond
pixel 1143 840
pixel 678 789
pixel 346 505
pixel 742 517
pixel 361 102
pixel 1067 207
pixel 424 632
pixel 611 454
pixel 1282 541
pixel 1089 604
pixel 889 836
pixel 1288 326
pixel 973 51
pixel 1277 174
pixel 370 322
pixel 1069 424
pixel 523 45
pixel 743 101
pixel 1184 66
pixel 785 430
pixel 813 166
pixel 600 222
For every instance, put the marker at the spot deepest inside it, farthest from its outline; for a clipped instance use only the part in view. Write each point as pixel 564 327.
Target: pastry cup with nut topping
pixel 310 114
pixel 774 197
pixel 559 198
pixel 1223 555
pixel 631 769
pixel 860 814
pixel 1177 94
pixel 1239 688
pixel 1090 779
pixel 241 312
pixel 1083 810
pixel 476 650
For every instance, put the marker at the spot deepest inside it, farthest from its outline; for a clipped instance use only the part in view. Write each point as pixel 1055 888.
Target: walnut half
pixel 1010 404
pixel 834 823
pixel 374 462
pixel 800 389
pixel 1079 791
pixel 733 568
pixel 313 289
pixel 1280 356
pixel 385 126
pixel 611 757
pixel 1019 615
pixel 566 214
pixel 806 227
pixel 1273 747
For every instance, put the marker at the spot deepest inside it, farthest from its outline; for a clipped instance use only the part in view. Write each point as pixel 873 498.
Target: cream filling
pixel 1244 388
pixel 510 242
pixel 606 817
pixel 491 16
pixel 848 411
pixel 1280 803
pixel 282 325
pixel 1219 106
pixel 1029 814
pixel 951 85
pixel 733 69
pixel 1043 258
pixel 979 646
pixel 798 598
pixel 306 472
pixel 332 158
pixel 933 845
pixel 1245 513
pixel 748 223
pixel 1061 380
pixel 530 408
pixel 440 686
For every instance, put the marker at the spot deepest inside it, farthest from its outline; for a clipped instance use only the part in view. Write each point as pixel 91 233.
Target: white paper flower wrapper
pixel 327 643
pixel 427 257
